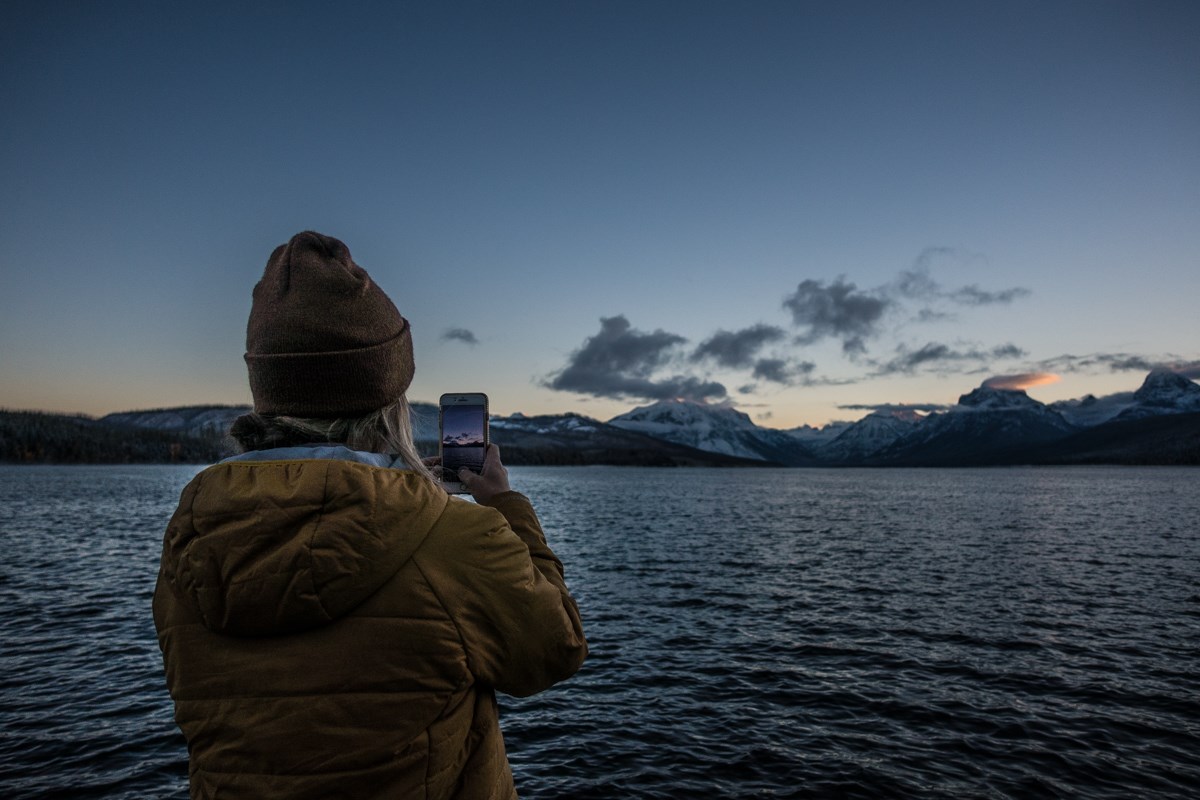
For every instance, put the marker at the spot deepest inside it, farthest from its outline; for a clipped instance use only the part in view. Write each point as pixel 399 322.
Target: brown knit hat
pixel 323 339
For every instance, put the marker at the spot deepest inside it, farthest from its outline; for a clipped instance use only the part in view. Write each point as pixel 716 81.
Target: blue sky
pixel 793 207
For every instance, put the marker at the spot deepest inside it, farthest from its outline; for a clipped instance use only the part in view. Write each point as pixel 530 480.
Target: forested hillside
pixel 36 437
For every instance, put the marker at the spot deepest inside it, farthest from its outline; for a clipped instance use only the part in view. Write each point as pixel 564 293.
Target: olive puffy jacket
pixel 332 628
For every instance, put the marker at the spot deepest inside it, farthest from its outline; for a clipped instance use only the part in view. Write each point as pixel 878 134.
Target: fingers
pixel 466 477
pixel 490 481
pixel 432 461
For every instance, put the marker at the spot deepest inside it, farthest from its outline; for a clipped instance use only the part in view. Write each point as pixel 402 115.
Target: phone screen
pixel 463 438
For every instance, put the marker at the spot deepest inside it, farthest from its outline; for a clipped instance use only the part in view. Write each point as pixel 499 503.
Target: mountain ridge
pixel 987 426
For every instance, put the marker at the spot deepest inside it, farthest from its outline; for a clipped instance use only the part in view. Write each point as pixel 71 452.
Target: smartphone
pixel 463 432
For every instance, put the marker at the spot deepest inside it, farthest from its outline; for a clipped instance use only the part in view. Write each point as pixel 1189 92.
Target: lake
pixel 1025 632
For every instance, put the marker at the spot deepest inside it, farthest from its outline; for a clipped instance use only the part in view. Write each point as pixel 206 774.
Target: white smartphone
pixel 463 432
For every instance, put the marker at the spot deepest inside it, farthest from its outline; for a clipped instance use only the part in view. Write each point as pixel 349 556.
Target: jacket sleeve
pixel 504 588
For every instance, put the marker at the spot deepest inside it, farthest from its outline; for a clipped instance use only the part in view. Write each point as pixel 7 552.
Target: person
pixel 332 623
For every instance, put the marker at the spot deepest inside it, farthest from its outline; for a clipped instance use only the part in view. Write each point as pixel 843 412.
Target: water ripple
pixel 924 633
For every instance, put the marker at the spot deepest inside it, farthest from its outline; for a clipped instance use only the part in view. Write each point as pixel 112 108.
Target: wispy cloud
pixel 1113 362
pixel 974 296
pixel 916 282
pixel 1121 362
pixel 922 407
pixel 459 335
pixel 620 362
pixel 938 356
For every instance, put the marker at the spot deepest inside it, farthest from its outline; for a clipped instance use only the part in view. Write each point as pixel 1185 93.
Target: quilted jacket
pixel 335 628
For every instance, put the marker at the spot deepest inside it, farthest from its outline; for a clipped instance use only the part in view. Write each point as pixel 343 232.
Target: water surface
pixel 799 633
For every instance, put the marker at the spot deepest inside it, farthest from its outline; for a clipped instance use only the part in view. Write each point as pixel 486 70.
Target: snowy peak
pixel 1166 389
pixel 717 429
pixel 985 398
pixel 872 433
pixel 685 413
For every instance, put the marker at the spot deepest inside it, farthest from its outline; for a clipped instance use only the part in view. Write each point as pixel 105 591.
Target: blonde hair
pixel 385 430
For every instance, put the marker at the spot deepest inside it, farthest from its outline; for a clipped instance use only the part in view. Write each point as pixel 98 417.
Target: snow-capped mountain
pixel 984 425
pixel 813 438
pixel 564 423
pixel 716 429
pixel 869 435
pixel 1163 392
pixel 574 439
pixel 1159 423
pixel 1089 410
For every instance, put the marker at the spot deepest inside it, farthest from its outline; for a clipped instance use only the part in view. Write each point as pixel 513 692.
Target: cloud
pixel 619 362
pixel 942 356
pixel 838 311
pixel 1121 362
pixel 841 311
pixel 460 335
pixel 974 296
pixel 1188 369
pixel 1023 380
pixel 929 315
pixel 916 283
pixel 737 349
pixel 1114 362
pixel 922 407
pixel 1007 351
pixel 777 370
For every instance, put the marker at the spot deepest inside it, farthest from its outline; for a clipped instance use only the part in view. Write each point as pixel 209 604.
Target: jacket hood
pixel 262 547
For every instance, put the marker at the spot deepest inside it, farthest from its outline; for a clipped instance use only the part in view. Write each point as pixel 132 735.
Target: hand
pixel 489 483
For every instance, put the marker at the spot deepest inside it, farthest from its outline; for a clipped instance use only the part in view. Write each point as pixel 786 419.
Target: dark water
pixel 806 633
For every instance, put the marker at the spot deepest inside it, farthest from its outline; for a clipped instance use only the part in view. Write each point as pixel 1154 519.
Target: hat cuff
pixel 342 383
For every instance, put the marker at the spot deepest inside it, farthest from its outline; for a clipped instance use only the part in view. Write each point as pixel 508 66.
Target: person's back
pixel 334 625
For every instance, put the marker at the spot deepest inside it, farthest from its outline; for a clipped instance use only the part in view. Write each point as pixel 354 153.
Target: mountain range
pixel 1159 423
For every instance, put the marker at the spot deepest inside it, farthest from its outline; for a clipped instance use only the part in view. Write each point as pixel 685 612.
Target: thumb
pixel 466 477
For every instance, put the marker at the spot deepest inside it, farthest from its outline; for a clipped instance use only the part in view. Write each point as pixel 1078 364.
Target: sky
pixel 806 210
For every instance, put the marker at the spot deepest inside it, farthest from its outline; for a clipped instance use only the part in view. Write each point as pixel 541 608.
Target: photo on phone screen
pixel 464 434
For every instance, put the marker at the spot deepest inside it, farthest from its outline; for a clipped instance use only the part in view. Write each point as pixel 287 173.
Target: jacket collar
pixel 324 452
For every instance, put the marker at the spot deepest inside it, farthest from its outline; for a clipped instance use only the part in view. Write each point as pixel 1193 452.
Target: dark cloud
pixel 459 335
pixel 777 370
pixel 1007 351
pixel 619 362
pixel 942 357
pixel 737 349
pixel 837 311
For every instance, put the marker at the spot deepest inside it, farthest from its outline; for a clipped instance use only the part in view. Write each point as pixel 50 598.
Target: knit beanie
pixel 323 339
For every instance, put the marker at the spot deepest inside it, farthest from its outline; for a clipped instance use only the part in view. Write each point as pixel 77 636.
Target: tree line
pixel 34 437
